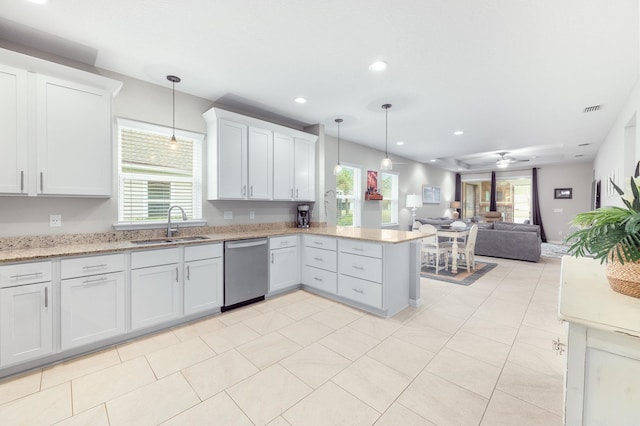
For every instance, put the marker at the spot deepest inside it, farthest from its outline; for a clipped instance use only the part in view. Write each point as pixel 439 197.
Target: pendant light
pixel 338 167
pixel 173 79
pixel 386 164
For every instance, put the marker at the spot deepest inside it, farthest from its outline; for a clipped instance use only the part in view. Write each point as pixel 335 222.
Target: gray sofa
pixel 509 240
pixel 435 221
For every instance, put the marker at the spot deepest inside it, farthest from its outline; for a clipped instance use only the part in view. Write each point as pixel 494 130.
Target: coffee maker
pixel 303 216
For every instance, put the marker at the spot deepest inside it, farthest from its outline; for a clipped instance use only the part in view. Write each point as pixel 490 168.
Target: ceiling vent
pixel 592 108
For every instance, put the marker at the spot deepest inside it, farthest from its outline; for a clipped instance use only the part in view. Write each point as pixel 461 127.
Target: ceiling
pixel 514 75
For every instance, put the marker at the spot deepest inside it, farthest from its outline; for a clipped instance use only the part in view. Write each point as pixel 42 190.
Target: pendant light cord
pixel 173 83
pixel 386 132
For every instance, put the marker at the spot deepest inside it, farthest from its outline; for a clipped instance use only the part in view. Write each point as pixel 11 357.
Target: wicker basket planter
pixel 625 278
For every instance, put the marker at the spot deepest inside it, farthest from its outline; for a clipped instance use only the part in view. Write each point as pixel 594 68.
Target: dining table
pixel 454 233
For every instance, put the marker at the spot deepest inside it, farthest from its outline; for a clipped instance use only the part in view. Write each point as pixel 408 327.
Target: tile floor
pixel 476 355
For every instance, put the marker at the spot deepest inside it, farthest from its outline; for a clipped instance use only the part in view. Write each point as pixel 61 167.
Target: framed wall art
pixel 563 193
pixel 430 194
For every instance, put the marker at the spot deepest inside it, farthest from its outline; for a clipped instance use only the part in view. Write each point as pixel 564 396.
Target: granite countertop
pixel 586 298
pixel 91 248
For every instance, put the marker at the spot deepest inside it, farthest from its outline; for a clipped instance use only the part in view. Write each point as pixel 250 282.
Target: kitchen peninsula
pixel 134 283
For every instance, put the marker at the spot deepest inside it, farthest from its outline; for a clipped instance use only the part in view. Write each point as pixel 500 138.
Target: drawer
pixel 360 248
pixel 361 291
pixel 283 242
pixel 323 259
pixel 326 243
pixel 25 273
pixel 320 279
pixel 366 268
pixel 202 251
pixel 91 265
pixel 145 259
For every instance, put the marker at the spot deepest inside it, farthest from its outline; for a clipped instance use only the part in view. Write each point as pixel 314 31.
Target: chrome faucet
pixel 170 230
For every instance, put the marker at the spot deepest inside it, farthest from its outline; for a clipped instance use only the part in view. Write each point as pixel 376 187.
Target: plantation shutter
pixel 155 175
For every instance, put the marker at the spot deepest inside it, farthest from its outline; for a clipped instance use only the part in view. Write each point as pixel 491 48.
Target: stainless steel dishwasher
pixel 246 272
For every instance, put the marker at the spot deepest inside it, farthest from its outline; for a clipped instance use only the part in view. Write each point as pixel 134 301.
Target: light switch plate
pixel 55 220
pixel 557 210
pixel 228 215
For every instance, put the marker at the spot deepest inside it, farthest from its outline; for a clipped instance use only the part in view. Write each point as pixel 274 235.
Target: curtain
pixel 535 204
pixel 458 196
pixel 492 203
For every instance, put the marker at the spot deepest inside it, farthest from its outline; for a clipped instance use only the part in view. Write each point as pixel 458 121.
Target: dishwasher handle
pixel 243 245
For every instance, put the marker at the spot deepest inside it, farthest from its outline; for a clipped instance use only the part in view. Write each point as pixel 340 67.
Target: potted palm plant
pixel 613 234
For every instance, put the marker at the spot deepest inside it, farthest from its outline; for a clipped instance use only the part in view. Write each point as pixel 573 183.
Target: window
pixel 348 196
pixel 513 197
pixel 389 191
pixel 153 175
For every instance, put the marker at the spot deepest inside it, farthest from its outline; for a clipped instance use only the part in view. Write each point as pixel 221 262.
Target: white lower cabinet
pixel 319 263
pixel 26 322
pixel 284 263
pixel 155 290
pixel 92 309
pixel 203 278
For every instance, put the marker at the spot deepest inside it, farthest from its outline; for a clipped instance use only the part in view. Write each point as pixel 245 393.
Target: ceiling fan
pixel 503 162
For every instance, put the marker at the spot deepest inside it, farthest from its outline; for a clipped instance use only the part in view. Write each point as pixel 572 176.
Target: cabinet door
pixel 74 143
pixel 232 160
pixel 25 323
pixel 260 164
pixel 92 309
pixel 283 181
pixel 304 170
pixel 155 295
pixel 13 122
pixel 203 285
pixel 283 268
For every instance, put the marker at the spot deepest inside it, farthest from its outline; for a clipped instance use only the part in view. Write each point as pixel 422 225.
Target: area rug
pixel 553 250
pixel 462 277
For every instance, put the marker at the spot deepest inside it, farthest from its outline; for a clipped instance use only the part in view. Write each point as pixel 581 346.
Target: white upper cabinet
pixel 283 181
pixel 73 138
pixel 251 159
pixel 260 164
pixel 13 122
pixel 57 128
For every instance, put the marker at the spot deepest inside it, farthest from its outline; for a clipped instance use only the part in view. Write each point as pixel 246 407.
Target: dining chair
pixel 468 248
pixel 432 247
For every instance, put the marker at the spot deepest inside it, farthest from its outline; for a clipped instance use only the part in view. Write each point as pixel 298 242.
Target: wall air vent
pixel 592 108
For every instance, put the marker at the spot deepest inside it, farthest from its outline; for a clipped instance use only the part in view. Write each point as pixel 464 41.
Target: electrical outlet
pixel 55 220
pixel 228 215
pixel 557 210
pixel 252 214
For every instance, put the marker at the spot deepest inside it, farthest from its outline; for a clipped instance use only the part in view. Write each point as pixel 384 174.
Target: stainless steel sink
pixel 169 240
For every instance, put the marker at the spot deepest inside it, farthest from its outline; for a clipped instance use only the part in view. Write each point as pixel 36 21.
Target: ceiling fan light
pixel 502 163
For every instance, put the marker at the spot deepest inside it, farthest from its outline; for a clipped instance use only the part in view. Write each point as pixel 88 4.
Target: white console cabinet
pixel 26 312
pixel 602 382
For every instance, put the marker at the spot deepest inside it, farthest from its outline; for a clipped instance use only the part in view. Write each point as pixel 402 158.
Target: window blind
pixel 154 175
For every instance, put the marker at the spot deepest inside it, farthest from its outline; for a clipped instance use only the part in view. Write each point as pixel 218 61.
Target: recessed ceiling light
pixel 400 143
pixel 433 160
pixel 378 66
pixel 300 100
pixel 458 132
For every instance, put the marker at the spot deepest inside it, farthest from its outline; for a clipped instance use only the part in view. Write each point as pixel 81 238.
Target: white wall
pixel 557 213
pixel 411 176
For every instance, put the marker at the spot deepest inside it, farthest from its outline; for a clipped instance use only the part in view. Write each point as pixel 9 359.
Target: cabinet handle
pixel 188 272
pixel 176 274
pixel 284 243
pixel 41 182
pixel 98 280
pixel 291 192
pixel 358 267
pixel 317 279
pixel 19 276
pixel 357 248
pixel 319 259
pixel 102 265
pixel 251 191
pixel 357 290
pixel 46 297
pixel 21 180
pixel 244 190
pixel 272 258
pixel 318 243
pixel 296 193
